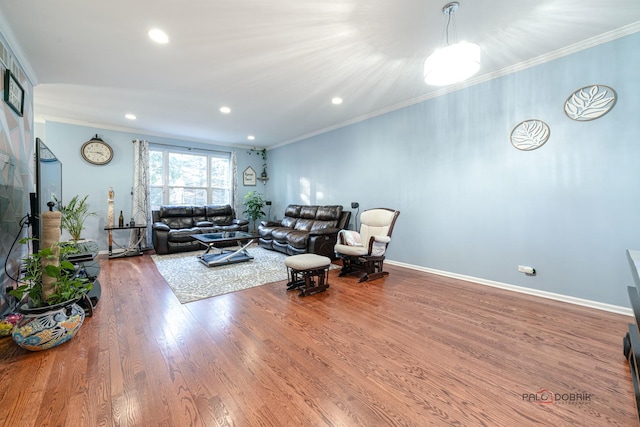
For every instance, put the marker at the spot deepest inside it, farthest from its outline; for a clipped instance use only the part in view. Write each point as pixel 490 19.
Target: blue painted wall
pixel 470 202
pixel 82 178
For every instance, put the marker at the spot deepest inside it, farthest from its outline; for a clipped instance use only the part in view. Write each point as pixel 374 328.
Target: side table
pixel 129 249
pixel 87 267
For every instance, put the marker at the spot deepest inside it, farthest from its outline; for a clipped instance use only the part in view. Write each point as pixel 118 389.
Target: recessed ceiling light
pixel 130 116
pixel 251 137
pixel 225 110
pixel 336 101
pixel 158 36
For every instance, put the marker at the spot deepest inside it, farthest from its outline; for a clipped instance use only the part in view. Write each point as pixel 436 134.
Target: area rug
pixel 191 280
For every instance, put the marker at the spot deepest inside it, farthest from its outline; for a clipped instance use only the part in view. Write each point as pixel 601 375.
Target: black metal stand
pixel 631 346
pixel 631 341
pixel 130 250
pixel 87 267
pixel 225 256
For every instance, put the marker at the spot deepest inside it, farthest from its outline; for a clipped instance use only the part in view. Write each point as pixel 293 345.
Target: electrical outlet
pixel 526 270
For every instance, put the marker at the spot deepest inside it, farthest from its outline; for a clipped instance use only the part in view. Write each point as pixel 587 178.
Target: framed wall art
pixel 13 93
pixel 530 134
pixel 590 103
pixel 249 176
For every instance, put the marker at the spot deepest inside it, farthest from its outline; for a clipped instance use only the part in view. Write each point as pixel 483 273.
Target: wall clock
pixel 96 151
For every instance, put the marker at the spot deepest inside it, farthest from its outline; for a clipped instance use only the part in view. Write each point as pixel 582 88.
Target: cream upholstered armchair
pixel 363 253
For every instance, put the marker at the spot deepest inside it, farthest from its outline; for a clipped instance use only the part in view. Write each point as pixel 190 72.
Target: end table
pixel 130 249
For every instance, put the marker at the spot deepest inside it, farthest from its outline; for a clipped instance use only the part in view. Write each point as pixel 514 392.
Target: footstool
pixel 301 269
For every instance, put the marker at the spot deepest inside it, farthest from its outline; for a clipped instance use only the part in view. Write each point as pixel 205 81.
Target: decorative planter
pixel 43 328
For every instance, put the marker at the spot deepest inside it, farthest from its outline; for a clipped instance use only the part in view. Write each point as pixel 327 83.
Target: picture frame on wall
pixel 249 176
pixel 13 93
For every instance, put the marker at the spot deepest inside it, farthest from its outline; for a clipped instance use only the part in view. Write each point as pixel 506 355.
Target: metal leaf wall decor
pixel 530 134
pixel 590 103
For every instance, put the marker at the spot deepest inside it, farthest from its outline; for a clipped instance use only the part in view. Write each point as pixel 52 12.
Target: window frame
pixel 209 188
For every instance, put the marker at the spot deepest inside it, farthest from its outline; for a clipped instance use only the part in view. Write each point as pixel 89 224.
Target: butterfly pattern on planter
pixel 590 103
pixel 530 134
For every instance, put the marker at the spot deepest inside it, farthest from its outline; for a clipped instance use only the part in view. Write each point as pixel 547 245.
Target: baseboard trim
pixel 529 291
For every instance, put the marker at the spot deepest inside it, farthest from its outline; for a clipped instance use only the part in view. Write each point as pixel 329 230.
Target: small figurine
pixel 111 221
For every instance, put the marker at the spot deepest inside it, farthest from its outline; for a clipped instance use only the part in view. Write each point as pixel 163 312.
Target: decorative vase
pixel 43 328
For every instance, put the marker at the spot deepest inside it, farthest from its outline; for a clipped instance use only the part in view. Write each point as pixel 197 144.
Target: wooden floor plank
pixel 411 349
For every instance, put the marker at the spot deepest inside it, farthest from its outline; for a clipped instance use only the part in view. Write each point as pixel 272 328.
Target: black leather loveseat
pixel 305 229
pixel 173 225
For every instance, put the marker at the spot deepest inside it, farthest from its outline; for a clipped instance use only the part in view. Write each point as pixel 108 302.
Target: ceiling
pixel 277 64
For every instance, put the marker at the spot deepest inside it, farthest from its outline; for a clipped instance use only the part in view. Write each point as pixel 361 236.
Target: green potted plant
pixel 65 286
pixel 254 202
pixel 74 214
pixel 48 293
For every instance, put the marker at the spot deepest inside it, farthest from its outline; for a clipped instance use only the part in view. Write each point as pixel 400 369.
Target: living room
pixel 497 207
pixel 473 206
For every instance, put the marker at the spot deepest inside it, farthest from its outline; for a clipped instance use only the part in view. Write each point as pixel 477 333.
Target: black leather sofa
pixel 305 229
pixel 173 225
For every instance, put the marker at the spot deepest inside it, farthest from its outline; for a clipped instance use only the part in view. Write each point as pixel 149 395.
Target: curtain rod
pixel 184 147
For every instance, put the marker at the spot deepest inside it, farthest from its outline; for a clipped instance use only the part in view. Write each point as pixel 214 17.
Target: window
pixel 180 177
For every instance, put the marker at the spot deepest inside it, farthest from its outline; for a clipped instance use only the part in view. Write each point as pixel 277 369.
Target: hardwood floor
pixel 412 349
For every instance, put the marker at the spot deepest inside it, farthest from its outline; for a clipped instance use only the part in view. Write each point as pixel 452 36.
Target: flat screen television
pixel 48 187
pixel 19 208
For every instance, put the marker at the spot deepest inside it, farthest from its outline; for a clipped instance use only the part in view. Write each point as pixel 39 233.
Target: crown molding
pixel 43 118
pixel 547 57
pixel 609 36
pixel 16 50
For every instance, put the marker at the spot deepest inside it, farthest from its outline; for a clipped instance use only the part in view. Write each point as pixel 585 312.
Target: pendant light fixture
pixel 456 61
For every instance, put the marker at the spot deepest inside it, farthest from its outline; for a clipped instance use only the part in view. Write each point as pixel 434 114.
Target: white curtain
pixel 141 205
pixel 234 184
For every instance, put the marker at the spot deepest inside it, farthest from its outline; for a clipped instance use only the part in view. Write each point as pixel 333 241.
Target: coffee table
pixel 214 257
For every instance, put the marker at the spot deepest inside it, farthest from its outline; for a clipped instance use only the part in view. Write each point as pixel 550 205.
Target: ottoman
pixel 302 269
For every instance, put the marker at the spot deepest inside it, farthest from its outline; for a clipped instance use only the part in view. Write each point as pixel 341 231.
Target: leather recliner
pixel 305 229
pixel 173 225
